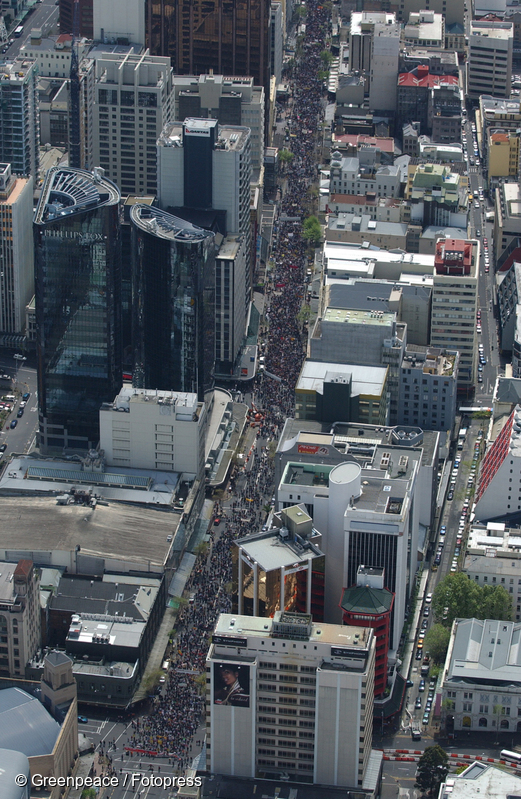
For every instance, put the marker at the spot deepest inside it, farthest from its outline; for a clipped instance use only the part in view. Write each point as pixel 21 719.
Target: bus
pixel 18 31
pixel 514 757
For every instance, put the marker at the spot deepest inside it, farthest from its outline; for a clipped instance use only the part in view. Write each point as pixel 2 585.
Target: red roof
pixel 386 145
pixel 453 257
pixel 23 568
pixel 354 199
pixel 410 79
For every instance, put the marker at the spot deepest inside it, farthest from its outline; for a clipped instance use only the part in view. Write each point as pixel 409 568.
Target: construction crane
pixel 74 118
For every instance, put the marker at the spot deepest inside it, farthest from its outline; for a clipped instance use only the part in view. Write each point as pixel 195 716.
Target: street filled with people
pixel 169 729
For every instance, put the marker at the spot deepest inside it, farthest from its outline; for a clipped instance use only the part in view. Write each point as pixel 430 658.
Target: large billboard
pixel 231 684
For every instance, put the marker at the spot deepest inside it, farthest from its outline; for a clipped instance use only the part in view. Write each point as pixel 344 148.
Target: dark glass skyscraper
pixel 173 303
pixel 78 308
pixel 229 36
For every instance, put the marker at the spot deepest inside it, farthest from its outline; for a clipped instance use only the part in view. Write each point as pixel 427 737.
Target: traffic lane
pixel 45 16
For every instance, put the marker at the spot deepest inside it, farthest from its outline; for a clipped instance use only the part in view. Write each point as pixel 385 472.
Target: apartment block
pixel 16 249
pixel 19 116
pixel 489 62
pixel 493 558
pixel 428 388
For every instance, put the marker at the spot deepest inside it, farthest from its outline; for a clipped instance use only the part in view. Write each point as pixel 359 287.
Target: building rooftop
pixel 494 30
pixel 366 599
pixel 115 595
pixel 7 588
pixel 364 224
pixel 486 652
pixel 271 551
pixel 432 361
pixel 258 627
pixel 230 137
pixel 484 780
pixel 16 71
pixel 166 226
pixel 355 317
pixel 87 628
pixel 70 191
pixel 25 724
pixel 366 380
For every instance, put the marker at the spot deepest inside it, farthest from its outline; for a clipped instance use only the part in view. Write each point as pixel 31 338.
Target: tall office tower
pixel 454 304
pixel 85 16
pixel 16 249
pixel 290 697
pixel 173 287
pixel 200 35
pixel 204 172
pixel 77 267
pixel 121 21
pixel 19 116
pixel 489 62
pixel 229 100
pixel 133 96
pixel 276 39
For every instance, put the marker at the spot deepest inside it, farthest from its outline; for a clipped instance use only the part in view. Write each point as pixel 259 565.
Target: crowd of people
pixel 168 730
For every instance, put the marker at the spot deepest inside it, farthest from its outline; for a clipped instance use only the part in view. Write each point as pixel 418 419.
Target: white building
pixel 119 20
pixel 374 48
pixel 482 676
pixel 348 176
pixel 481 779
pixel 159 430
pixel 231 301
pixel 489 62
pixel 19 116
pixel 16 249
pixel 494 558
pixel 425 29
pixel 53 53
pixel 230 100
pixel 276 39
pixel 133 100
pixel 301 704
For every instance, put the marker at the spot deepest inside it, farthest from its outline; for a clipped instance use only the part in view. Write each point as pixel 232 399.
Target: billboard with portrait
pixel 231 684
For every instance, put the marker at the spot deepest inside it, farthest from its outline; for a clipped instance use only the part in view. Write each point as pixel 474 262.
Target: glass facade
pixel 173 303
pixel 77 265
pixel 229 36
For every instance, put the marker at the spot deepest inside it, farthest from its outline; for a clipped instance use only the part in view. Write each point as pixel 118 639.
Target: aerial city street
pixel 260 399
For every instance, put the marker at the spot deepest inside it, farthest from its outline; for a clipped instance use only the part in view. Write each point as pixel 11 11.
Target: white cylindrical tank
pixel 345 482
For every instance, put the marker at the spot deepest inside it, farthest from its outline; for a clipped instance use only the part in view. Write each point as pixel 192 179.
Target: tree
pixel 463 598
pixel 286 156
pixel 88 793
pixel 312 231
pixel 326 57
pixel 433 767
pixel 437 642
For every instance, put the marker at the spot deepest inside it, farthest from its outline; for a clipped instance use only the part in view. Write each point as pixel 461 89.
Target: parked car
pixel 13 424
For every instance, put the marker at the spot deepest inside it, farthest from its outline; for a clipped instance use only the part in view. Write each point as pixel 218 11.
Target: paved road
pixel 45 16
pixel 22 437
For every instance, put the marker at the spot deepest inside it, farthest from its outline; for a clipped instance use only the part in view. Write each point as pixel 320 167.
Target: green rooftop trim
pixel 365 599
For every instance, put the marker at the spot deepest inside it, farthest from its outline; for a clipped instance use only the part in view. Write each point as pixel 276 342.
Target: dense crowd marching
pixel 168 730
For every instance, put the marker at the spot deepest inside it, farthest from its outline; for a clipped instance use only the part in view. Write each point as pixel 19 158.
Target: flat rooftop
pixel 359 317
pixel 85 629
pixel 271 552
pixel 366 380
pixel 7 593
pixel 258 627
pixel 129 534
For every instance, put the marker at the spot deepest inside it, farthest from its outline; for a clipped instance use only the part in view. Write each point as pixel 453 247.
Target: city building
pixel 455 38
pixel 276 40
pixel 480 778
pixel 444 114
pixel 346 261
pixel 360 145
pixel 493 558
pixel 77 311
pixel 415 99
pixel 481 685
pixel 229 100
pixel 129 428
pixel 349 176
pixel 497 495
pixel 453 12
pixel 489 61
pixel 84 16
pixel 308 683
pixel 367 517
pixel 508 294
pixel 16 249
pixel 20 620
pixel 201 36
pixel 53 53
pixel 204 175
pixel 374 48
pixel 369 604
pixel 357 229
pixel 133 101
pixel 380 209
pixel 121 21
pixel 173 327
pixel 503 154
pixel 428 388
pixel 424 29
pixel 507 217
pixel 330 391
pixel 498 114
pixel 454 304
pixel 281 568
pixel 19 118
pixel 12 765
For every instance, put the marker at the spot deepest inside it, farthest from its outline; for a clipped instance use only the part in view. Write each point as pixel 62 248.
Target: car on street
pixel 426 611
pixel 26 396
pixel 421 686
pixel 450 496
pixel 418 655
pixel 217 522
pixel 13 424
pixel 83 719
pixel 443 529
pixel 418 703
pixel 425 624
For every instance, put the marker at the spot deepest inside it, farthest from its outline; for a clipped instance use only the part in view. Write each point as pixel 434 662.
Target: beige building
pixel 53 53
pixel 356 229
pixel 301 703
pixel 453 12
pixel 19 616
pixel 16 249
pixel 424 29
pixel 503 154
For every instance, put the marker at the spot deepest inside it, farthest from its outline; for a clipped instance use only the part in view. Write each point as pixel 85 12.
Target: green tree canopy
pixel 433 767
pixel 464 599
pixel 437 642
pixel 312 231
pixel 286 156
pixel 88 793
pixel 326 58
